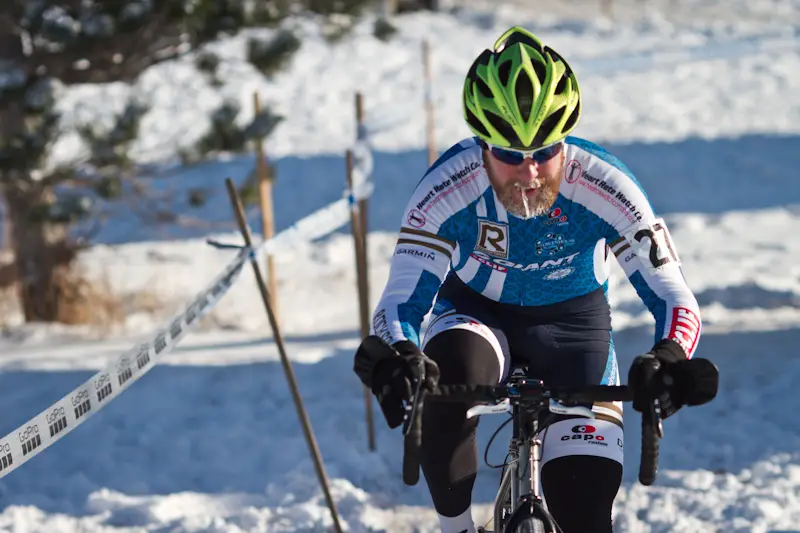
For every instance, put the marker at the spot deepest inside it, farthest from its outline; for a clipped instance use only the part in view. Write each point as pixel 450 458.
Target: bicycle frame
pixel 528 396
pixel 520 485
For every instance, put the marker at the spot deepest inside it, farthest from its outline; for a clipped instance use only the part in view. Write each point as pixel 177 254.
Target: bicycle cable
pixel 489 444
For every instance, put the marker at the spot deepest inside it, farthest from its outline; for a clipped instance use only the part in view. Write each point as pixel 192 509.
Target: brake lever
pixel 655 414
pixel 412 405
pixel 412 432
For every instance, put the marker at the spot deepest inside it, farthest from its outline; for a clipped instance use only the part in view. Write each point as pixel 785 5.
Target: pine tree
pixel 44 46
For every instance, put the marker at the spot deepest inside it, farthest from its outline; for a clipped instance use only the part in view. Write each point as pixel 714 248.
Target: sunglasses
pixel 511 156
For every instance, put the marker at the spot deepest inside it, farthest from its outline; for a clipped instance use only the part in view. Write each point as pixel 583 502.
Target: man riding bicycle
pixel 511 232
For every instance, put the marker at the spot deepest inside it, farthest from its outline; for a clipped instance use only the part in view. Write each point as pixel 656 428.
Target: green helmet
pixel 522 94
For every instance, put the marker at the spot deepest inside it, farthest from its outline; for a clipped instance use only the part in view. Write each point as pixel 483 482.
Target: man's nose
pixel 529 167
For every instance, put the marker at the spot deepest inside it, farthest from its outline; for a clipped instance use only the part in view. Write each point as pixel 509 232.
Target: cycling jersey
pixel 454 223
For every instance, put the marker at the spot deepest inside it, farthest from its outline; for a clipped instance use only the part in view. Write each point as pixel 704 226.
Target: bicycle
pixel 518 506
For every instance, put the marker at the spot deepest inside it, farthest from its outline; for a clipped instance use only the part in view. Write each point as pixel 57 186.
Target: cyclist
pixel 511 232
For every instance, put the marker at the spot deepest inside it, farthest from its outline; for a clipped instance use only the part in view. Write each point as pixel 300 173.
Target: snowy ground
pixel 208 441
pixel 627 99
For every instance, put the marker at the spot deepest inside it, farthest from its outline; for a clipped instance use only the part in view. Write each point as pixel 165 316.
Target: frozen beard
pixel 531 199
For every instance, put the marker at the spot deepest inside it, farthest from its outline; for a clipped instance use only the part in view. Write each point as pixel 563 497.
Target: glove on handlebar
pixel 665 373
pixel 391 372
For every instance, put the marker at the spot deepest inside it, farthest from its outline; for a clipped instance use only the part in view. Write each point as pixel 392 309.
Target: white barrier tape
pixel 362 162
pixel 360 191
pixel 41 431
pixel 319 223
pixel 363 165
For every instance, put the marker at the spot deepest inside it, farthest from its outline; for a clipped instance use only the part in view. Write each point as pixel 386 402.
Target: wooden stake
pixel 363 254
pixel 238 210
pixel 362 204
pixel 359 240
pixel 431 128
pixel 267 212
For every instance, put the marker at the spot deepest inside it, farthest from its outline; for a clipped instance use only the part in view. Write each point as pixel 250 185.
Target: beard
pixel 516 200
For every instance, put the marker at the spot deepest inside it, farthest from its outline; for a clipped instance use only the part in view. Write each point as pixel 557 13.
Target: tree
pixel 47 44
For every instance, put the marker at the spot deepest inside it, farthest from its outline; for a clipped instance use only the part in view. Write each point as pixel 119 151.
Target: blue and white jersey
pixel 454 221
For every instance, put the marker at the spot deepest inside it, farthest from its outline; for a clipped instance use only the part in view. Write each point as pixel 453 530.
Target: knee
pixel 585 482
pixel 465 356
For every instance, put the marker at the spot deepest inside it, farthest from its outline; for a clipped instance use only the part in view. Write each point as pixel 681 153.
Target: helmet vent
pixel 557 57
pixel 503 72
pixel 562 83
pixel 541 71
pixel 523 90
pixel 547 127
pixel 476 124
pixel 503 127
pixel 482 87
pixel 573 118
pixel 482 59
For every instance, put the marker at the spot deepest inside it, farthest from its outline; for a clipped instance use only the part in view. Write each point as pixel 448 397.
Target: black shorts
pixel 567 343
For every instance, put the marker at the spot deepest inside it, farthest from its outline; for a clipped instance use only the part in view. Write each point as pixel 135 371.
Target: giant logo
pixel 503 265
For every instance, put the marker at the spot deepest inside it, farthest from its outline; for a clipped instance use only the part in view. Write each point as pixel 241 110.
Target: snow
pixel 209 441
pixel 700 70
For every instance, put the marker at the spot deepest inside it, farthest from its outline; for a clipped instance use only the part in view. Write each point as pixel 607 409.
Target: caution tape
pixel 52 424
pixel 320 223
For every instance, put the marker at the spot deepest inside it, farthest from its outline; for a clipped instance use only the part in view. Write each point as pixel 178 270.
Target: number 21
pixel 650 233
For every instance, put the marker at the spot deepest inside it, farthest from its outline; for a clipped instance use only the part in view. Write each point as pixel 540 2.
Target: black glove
pixel 665 373
pixel 391 372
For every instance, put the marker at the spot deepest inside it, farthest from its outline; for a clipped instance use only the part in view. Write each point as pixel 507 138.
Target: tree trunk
pixel 41 254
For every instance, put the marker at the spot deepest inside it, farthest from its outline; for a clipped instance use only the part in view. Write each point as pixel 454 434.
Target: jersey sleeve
pixel 639 239
pixel 420 261
pixel 649 257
